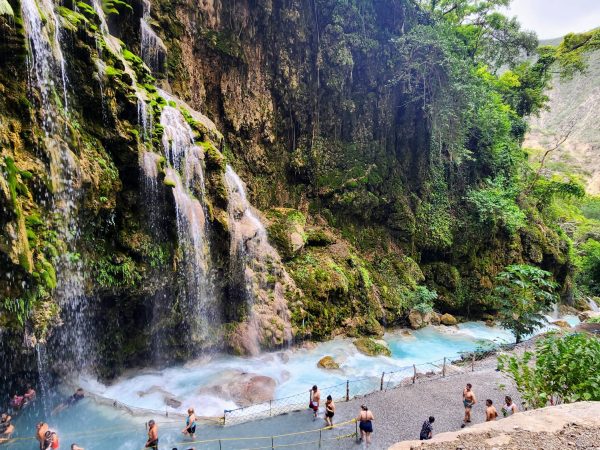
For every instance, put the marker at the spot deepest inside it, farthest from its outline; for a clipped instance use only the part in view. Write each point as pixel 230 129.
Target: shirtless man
pixel 490 411
pixel 509 407
pixel 152 441
pixel 30 394
pixel 41 434
pixel 469 400
pixel 6 428
pixel 315 400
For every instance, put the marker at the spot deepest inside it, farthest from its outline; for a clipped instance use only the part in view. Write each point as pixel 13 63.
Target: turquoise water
pixel 196 383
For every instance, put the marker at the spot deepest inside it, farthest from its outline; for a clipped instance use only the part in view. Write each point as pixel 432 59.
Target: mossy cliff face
pixel 361 206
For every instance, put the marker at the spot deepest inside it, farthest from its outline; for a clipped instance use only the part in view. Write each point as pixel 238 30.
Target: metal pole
pixel 415 373
pixel 270 408
pixel 220 448
pixel 444 368
pixel 347 390
pixel 272 443
pixel 224 416
pixel 381 386
pixel 473 363
pixel 320 433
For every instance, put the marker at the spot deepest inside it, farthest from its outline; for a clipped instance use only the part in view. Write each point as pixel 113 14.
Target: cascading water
pixel 45 60
pixel 185 174
pixel 593 305
pixel 253 259
pixel 153 49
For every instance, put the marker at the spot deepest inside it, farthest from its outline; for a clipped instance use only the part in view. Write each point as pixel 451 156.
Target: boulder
pixel 561 323
pixel 448 319
pixel 418 319
pixel 406 333
pixel 243 388
pixel 586 315
pixel 327 362
pixel 286 230
pixel 435 319
pixel 490 323
pixel 371 347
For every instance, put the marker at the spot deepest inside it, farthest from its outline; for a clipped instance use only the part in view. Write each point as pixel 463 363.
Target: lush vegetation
pixel 563 369
pixel 522 294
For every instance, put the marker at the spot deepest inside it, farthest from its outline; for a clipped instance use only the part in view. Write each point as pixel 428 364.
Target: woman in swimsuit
pixel 152 441
pixel 329 411
pixel 190 423
pixel 366 424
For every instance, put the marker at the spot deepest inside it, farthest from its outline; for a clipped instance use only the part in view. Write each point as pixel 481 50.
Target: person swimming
pixel 6 428
pixel 70 401
pixel 190 423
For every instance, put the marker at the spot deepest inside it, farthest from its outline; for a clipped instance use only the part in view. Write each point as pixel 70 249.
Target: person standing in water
pixel 490 411
pixel 190 423
pixel 329 411
pixel 40 435
pixel 427 429
pixel 315 400
pixel 365 419
pixel 469 400
pixel 6 428
pixel 509 407
pixel 152 441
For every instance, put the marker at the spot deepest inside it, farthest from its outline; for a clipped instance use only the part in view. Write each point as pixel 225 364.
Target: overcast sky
pixel 555 18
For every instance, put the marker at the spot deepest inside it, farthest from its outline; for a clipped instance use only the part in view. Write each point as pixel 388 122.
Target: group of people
pixel 17 402
pixel 469 400
pixel 365 417
pixel 189 430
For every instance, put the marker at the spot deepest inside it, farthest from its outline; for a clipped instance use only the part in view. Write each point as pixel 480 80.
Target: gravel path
pixel 399 413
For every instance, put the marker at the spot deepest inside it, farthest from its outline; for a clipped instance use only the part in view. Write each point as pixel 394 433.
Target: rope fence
pixel 351 389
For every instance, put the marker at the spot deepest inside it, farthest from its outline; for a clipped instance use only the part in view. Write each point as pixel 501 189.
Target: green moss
pixel 169 182
pixel 73 19
pixel 371 348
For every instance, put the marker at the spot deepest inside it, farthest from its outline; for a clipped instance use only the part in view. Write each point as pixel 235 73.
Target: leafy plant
pixel 590 266
pixel 522 294
pixel 563 369
pixel 422 299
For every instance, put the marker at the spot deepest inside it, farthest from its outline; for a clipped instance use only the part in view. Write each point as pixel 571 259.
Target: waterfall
pixel 185 175
pixel 253 260
pixel 45 55
pixel 43 382
pixel 144 114
pixel 593 305
pixel 153 49
pixel 45 60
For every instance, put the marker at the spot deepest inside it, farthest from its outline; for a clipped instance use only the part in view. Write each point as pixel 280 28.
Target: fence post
pixel 272 443
pixel 473 362
pixel 444 368
pixel 166 412
pixel 270 408
pixel 415 374
pixel 224 416
pixel 347 390
pixel 381 386
pixel 220 448
pixel 356 431
pixel 320 434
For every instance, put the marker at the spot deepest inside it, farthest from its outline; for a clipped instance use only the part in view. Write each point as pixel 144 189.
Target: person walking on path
pixel 365 419
pixel 490 411
pixel 427 429
pixel 469 401
pixel 152 441
pixel 329 411
pixel 509 407
pixel 315 399
pixel 190 423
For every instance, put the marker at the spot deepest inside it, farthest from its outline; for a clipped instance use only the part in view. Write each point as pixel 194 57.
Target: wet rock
pixel 327 362
pixel 406 333
pixel 561 323
pixel 243 388
pixel 371 347
pixel 435 319
pixel 418 319
pixel 286 230
pixel 586 315
pixel 448 319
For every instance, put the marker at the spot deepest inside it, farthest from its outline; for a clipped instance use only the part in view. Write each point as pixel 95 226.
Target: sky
pixel 555 18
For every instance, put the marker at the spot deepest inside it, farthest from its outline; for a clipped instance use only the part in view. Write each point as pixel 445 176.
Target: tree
pixel 590 266
pixel 563 369
pixel 522 294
